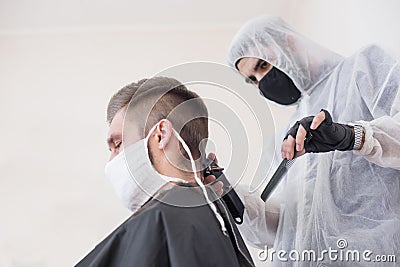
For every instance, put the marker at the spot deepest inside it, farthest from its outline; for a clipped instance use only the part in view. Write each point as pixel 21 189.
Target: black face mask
pixel 278 87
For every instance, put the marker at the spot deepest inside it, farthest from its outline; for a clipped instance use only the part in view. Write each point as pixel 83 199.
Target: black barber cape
pixel 161 234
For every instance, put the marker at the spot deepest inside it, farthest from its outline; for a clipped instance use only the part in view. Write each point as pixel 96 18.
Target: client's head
pixel 155 108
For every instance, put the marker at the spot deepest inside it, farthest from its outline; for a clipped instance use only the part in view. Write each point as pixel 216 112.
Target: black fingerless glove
pixel 327 137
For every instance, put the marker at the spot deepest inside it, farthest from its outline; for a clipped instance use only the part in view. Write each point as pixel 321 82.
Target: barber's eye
pixel 264 65
pixel 251 79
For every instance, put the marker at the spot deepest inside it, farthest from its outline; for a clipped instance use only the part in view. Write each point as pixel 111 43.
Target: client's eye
pixel 114 146
pixel 118 145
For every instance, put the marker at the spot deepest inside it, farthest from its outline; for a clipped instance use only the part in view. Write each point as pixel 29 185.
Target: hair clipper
pixel 230 197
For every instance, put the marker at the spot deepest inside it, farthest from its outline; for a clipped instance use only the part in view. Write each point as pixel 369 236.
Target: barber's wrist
pixel 359 136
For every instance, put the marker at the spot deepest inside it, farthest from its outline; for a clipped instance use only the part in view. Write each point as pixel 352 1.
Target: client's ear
pixel 165 130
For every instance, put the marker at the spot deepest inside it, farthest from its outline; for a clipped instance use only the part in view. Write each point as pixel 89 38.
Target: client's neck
pixel 172 171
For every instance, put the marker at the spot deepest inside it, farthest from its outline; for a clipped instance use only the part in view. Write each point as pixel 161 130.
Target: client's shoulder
pixel 185 204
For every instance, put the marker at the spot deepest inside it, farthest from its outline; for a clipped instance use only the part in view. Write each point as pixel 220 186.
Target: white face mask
pixel 135 190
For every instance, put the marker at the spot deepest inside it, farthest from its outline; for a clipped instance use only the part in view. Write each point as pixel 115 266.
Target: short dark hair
pixel 166 98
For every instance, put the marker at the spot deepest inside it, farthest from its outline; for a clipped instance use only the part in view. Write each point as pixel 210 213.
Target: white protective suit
pixel 337 195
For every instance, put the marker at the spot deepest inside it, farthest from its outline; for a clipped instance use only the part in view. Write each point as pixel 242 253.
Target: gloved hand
pixel 328 136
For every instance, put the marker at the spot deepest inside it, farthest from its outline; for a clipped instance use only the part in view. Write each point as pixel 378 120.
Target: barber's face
pixel 253 68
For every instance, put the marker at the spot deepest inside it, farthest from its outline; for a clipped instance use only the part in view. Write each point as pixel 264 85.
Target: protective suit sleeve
pixel 382 95
pixel 382 141
pixel 260 220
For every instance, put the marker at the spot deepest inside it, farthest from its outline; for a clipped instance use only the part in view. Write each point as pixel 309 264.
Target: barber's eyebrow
pixel 258 64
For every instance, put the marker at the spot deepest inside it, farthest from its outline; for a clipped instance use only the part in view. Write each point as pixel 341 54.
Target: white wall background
pixel 61 61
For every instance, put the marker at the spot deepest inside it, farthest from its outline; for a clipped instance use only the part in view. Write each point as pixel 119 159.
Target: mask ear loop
pixel 194 169
pixel 200 183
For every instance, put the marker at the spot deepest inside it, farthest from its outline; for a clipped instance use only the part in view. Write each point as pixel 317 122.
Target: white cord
pixel 200 183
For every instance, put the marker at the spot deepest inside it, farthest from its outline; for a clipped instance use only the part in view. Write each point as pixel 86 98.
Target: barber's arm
pixel 377 140
pixel 260 219
pixel 382 143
